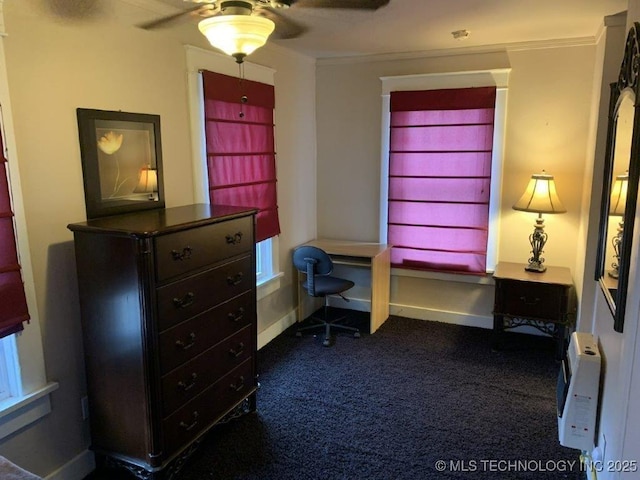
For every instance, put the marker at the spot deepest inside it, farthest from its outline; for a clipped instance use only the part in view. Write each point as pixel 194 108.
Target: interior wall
pixel 548 115
pixel 54 67
pixel 618 438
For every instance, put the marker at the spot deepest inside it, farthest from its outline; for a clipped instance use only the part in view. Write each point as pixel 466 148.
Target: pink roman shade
pixel 13 304
pixel 241 158
pixel 440 177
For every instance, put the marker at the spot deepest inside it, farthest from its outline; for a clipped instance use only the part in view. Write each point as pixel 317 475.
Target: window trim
pixel 269 282
pixel 34 401
pixel 433 81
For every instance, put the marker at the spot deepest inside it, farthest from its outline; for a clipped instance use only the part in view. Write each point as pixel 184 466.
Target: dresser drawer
pixel 531 299
pixel 189 380
pixel 186 298
pixel 181 252
pixel 188 339
pixel 194 417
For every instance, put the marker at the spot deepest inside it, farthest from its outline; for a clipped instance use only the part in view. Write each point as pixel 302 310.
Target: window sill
pixel 445 277
pixel 17 413
pixel 267 286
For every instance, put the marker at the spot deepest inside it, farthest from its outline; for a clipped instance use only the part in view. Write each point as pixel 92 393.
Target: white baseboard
pixel 457 318
pixel 75 469
pixel 276 329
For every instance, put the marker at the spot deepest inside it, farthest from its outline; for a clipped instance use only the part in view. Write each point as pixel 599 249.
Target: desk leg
pixel 380 286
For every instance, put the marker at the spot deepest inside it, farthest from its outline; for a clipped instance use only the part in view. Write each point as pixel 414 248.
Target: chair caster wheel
pixel 356 335
pixel 326 342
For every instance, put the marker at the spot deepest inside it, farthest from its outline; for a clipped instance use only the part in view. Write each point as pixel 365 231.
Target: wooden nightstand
pixel 545 301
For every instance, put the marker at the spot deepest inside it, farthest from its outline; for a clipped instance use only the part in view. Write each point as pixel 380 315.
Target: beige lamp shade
pixel 540 196
pixel 619 195
pixel 147 180
pixel 237 35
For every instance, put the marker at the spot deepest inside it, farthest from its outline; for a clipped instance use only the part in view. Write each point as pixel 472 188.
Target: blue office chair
pixel 318 265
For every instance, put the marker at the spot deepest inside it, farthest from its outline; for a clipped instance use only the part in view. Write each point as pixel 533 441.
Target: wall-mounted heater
pixel 577 392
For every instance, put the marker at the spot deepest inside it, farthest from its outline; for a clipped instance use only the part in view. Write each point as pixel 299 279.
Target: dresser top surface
pixel 516 271
pixel 150 223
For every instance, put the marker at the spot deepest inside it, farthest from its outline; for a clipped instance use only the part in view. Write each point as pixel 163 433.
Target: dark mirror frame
pixel 616 294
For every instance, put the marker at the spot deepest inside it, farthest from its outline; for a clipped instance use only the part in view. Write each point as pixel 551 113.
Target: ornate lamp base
pixel 537 240
pixel 535 267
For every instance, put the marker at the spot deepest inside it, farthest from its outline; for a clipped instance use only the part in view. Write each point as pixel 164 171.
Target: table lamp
pixel 539 197
pixel 147 182
pixel 616 209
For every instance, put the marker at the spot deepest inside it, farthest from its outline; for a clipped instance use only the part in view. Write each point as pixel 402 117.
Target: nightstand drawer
pixel 188 339
pixel 186 298
pixel 181 252
pixel 187 381
pixel 531 300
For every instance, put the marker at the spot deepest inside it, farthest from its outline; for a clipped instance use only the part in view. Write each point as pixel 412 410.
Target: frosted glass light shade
pixel 237 35
pixel 540 196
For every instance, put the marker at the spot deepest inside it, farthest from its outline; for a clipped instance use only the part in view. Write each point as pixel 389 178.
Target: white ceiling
pixel 426 25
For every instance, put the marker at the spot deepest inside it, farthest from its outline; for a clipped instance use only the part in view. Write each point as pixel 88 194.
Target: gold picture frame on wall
pixel 121 155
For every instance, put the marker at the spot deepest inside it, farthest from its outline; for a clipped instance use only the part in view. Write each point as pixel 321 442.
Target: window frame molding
pixel 434 81
pixel 200 59
pixel 32 401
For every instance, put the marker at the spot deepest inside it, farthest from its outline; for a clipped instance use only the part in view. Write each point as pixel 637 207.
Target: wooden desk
pixel 545 301
pixel 374 257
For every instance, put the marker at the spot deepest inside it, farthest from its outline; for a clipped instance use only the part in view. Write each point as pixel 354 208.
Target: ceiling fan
pixel 238 27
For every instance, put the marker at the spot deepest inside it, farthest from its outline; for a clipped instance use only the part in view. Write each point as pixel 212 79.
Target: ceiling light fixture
pixel 237 35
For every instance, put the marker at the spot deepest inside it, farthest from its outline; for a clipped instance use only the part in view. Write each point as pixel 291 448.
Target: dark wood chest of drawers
pixel 168 306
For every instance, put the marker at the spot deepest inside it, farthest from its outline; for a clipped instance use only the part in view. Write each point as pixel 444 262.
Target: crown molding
pixel 474 50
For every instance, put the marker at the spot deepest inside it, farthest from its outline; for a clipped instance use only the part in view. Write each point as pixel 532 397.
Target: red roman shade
pixel 440 177
pixel 240 146
pixel 13 304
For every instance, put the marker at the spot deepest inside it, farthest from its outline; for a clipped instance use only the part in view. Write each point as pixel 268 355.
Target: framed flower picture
pixel 121 161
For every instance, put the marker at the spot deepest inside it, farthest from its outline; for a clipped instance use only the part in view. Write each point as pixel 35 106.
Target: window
pixel 267 268
pixel 441 177
pixel 13 307
pixel 24 392
pixel 240 147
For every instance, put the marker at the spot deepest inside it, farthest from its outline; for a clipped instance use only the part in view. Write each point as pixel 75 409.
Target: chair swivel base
pixel 328 326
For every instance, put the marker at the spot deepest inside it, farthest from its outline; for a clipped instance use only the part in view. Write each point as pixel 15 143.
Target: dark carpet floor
pixel 416 400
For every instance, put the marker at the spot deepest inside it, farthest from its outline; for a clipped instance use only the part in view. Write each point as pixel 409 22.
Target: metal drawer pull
pixel 237 353
pixel 535 301
pixel 234 239
pixel 184 255
pixel 193 424
pixel 240 385
pixel 187 346
pixel 185 387
pixel 236 280
pixel 237 316
pixel 185 301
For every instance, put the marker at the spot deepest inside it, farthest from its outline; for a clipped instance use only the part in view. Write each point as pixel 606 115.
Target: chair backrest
pixel 312 261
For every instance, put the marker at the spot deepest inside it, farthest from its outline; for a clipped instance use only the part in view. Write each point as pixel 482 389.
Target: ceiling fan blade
pixel 285 27
pixel 169 19
pixel 354 4
pixel 74 9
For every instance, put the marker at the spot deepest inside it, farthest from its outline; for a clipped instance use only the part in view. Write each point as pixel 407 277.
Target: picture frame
pixel 121 155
